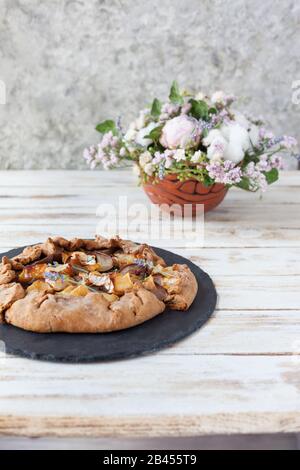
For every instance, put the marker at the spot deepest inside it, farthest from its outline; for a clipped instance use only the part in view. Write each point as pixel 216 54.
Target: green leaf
pixel 175 96
pixel 199 109
pixel 207 180
pixel 107 126
pixel 272 176
pixel 244 184
pixel 212 111
pixel 156 108
pixel 155 133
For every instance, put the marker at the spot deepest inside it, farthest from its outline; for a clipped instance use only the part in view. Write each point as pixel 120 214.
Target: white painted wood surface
pixel 238 374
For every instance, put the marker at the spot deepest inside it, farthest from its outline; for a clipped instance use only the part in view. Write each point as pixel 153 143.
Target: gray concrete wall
pixel 69 63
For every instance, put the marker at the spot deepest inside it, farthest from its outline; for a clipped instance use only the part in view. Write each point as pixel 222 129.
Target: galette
pixel 90 286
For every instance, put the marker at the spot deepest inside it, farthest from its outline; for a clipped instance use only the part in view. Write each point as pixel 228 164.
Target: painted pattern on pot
pixel 170 191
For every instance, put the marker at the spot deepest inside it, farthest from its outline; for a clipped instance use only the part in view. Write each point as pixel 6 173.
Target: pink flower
pixel 224 172
pixel 288 142
pixel 180 132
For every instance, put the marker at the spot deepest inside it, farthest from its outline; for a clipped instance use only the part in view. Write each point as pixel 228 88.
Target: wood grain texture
pixel 238 374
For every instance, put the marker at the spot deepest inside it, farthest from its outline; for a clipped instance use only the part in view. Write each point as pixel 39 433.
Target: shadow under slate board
pixel 162 331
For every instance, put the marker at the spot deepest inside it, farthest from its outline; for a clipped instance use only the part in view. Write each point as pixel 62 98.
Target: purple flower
pixel 276 162
pixel 158 157
pixel 224 172
pixel 170 109
pixel 161 170
pixel 185 109
pixel 264 134
pixel 289 142
pixel 107 153
pixel 89 154
pixel 256 178
pixel 285 141
pixel 264 163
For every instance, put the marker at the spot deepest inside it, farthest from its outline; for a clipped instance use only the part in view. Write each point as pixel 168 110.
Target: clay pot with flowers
pixel 192 149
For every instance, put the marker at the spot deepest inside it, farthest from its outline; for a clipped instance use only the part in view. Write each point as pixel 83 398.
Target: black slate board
pixel 153 335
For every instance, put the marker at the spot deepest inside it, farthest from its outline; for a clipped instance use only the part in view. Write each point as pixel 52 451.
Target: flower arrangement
pixel 197 137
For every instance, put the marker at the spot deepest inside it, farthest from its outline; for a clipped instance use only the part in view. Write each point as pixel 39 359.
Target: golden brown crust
pixel 7 274
pixel 185 292
pixel 43 311
pixel 9 293
pixel 29 254
pixel 47 313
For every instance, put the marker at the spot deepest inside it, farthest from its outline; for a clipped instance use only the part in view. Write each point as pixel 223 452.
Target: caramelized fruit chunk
pixel 101 280
pixel 68 290
pixel 110 297
pixel 32 273
pixel 122 282
pixel 158 290
pixel 105 262
pixel 121 259
pixel 40 286
pixel 134 269
pixel 82 259
pixel 61 268
pixel 80 291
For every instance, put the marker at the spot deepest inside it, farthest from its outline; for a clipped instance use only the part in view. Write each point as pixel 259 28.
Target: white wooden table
pixel 238 374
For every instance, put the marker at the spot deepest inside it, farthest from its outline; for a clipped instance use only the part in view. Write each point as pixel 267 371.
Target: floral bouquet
pixel 194 137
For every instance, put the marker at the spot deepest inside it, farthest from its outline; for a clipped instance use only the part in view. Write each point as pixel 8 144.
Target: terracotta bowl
pixel 172 191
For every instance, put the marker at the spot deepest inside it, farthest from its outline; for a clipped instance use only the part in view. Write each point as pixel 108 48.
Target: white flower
pixel 211 136
pixel 196 157
pixel 140 136
pixel 229 143
pixel 216 150
pixel 200 96
pixel 140 122
pixel 252 129
pixel 169 162
pixel 181 131
pixel 122 152
pixel 241 119
pixel 216 144
pixel 145 158
pixel 131 148
pixel 148 169
pixel 238 142
pixel 218 97
pixel 130 135
pixel 179 155
pixel 132 126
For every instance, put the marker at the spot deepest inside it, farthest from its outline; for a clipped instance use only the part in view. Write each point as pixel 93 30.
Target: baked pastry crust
pixel 43 308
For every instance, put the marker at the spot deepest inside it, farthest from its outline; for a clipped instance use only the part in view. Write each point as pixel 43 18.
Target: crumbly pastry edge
pixel 44 312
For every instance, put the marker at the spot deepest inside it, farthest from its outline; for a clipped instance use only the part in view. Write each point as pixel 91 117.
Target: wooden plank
pixel 284 195
pixel 245 262
pixel 216 235
pixel 248 292
pixel 80 177
pixel 217 394
pixel 261 215
pixel 149 426
pixel 67 195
